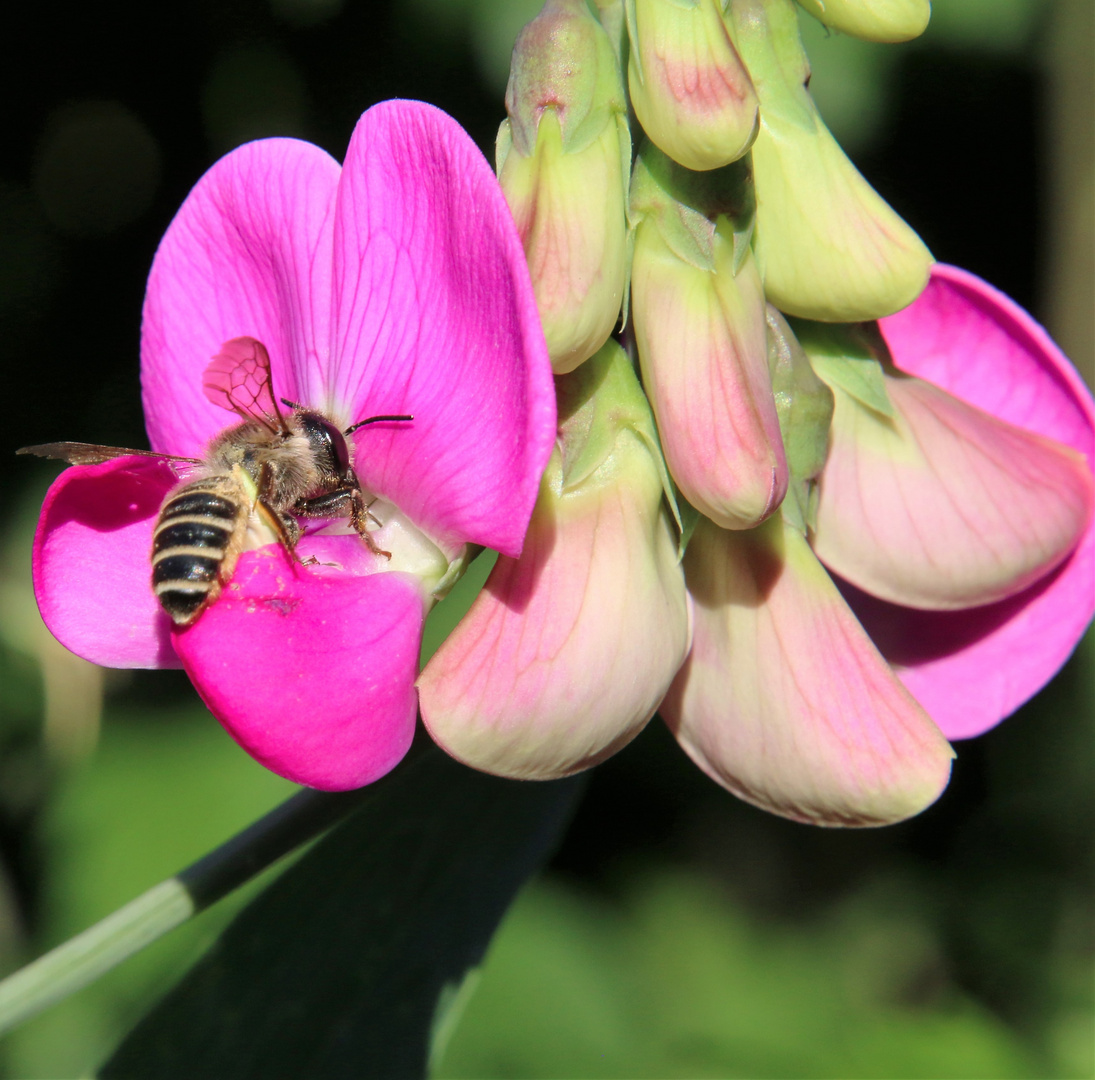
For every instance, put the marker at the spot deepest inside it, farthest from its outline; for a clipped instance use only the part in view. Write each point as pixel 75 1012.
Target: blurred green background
pixel 677 933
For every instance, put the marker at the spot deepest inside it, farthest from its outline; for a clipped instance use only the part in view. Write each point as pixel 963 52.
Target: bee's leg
pixel 343 502
pixel 286 528
pixel 359 518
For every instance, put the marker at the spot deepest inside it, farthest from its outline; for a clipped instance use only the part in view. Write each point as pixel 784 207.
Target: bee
pixel 272 467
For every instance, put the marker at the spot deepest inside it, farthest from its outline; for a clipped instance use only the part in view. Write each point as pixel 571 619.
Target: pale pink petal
pixel 311 672
pixel 436 318
pixel 567 651
pixel 92 563
pixel 784 700
pixel 704 352
pixel 247 255
pixel 942 506
pixel 970 669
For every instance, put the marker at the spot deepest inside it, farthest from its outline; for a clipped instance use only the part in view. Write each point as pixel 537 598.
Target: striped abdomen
pixel 195 545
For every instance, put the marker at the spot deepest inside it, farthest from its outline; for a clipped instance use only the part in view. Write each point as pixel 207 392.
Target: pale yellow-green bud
pixel 873 20
pixel 689 88
pixel 829 247
pixel 563 160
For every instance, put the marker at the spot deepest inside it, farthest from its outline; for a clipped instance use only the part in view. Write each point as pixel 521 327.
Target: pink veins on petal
pixel 394 285
pixel 971 668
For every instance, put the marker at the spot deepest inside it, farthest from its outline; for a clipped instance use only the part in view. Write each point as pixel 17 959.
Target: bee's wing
pixel 81 453
pixel 238 379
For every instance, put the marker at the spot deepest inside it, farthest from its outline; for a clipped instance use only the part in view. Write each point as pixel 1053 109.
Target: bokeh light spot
pixel 96 169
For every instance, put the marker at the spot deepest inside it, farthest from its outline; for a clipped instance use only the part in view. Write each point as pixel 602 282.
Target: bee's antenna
pixel 373 420
pixel 292 404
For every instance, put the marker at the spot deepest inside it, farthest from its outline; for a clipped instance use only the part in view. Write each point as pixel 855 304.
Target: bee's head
pixel 328 444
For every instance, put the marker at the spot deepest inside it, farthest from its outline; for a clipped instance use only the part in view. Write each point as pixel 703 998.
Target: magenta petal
pixel 312 673
pixel 92 565
pixel 970 669
pixel 247 255
pixel 436 318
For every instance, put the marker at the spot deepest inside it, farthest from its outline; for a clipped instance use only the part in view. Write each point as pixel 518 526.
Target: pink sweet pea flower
pixel 784 699
pixel 393 285
pixel 972 668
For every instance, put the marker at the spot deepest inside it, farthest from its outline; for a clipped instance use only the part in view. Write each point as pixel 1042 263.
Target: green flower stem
pixel 82 959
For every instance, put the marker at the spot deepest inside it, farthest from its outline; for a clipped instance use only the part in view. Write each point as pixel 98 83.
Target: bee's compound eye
pixel 328 442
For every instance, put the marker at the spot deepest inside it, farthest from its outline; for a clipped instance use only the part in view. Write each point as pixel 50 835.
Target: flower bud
pixel 828 246
pixel 563 158
pixel 689 88
pixel 698 310
pixel 567 651
pixel 873 20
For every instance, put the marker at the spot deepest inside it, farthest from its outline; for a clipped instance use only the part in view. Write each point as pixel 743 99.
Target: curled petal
pixel 247 255
pixel 784 700
pixel 972 668
pixel 436 318
pixel 92 568
pixel 567 651
pixel 943 506
pixel 311 672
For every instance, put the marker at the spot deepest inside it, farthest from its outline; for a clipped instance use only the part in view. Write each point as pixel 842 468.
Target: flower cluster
pixel 845 515
pixel 878 468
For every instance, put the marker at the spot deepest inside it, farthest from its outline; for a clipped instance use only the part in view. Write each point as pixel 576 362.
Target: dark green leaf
pixel 337 969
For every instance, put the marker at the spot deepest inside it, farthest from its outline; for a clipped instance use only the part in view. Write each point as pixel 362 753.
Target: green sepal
pixel 503 144
pixel 564 60
pixel 631 23
pixel 629 252
pixel 690 207
pixel 767 35
pixel 613 17
pixel 804 405
pixel 688 517
pixel 455 571
pixel 849 356
pixel 597 402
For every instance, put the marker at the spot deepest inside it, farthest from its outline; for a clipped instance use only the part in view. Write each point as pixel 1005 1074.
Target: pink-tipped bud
pixel 688 85
pixel 698 311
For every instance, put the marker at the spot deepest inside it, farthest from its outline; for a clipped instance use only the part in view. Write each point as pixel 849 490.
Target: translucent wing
pixel 238 379
pixel 82 453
